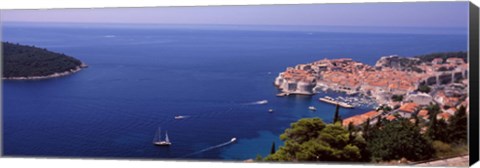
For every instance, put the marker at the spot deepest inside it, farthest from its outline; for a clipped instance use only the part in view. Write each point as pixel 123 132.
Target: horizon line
pixel 226 24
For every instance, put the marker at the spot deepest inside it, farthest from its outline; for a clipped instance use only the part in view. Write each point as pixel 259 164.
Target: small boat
pixel 180 117
pixel 233 139
pixel 312 108
pixel 270 110
pixel 282 94
pixel 351 93
pixel 262 102
pixel 157 140
pixel 330 100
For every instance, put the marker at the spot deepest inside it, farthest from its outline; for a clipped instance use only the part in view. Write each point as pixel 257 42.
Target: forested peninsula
pixel 22 62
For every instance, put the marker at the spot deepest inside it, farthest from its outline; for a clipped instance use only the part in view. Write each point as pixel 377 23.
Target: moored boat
pixel 330 100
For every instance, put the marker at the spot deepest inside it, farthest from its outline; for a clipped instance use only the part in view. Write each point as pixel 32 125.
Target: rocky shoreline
pixel 55 75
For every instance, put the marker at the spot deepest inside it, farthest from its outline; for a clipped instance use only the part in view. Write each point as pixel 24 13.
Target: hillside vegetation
pixel 30 61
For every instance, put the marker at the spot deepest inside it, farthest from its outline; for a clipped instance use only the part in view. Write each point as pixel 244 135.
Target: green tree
pixel 351 129
pixel 259 157
pixel 379 122
pixel 397 98
pixel 433 131
pixel 442 132
pixel 311 139
pixel 458 129
pixel 365 154
pixel 366 129
pixel 417 120
pixel 303 130
pixel 424 89
pixel 28 61
pixel 272 150
pixel 336 117
pixel 399 139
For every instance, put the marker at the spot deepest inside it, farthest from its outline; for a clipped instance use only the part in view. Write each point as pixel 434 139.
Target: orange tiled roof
pixel 391 117
pixel 423 113
pixel 370 114
pixel 378 83
pixel 445 116
pixel 361 118
pixel 408 107
pixel 355 120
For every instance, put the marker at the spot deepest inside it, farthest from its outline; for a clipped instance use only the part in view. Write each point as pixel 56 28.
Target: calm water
pixel 140 78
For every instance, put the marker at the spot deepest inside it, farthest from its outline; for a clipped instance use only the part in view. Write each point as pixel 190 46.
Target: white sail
pixel 166 137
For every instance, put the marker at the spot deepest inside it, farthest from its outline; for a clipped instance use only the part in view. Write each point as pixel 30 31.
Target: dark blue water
pixel 140 78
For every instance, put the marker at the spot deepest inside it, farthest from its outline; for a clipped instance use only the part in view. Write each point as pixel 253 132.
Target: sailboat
pixel 157 140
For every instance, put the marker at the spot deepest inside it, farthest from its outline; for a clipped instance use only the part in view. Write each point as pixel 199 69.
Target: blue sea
pixel 140 77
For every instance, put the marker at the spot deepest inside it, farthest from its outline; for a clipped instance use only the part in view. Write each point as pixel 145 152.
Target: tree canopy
pixel 458 128
pixel 27 61
pixel 399 139
pixel 424 88
pixel 397 98
pixel 310 139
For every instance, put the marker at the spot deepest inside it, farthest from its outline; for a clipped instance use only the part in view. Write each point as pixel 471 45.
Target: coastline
pixel 54 75
pixel 380 82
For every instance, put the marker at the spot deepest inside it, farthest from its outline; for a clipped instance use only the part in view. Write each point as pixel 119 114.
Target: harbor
pixel 330 100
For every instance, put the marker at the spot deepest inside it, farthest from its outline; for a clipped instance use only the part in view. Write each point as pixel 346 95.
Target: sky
pixel 420 14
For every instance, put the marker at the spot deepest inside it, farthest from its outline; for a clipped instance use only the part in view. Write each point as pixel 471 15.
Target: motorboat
pixel 180 117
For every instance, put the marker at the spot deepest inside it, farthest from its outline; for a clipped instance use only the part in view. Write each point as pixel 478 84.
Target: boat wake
pixel 181 117
pixel 258 102
pixel 209 148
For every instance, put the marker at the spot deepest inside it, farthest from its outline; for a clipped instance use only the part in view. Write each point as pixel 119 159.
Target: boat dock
pixel 330 100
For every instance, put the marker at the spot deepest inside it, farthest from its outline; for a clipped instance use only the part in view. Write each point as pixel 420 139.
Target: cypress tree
pixel 336 118
pixel 433 111
pixel 350 131
pixel 459 126
pixel 366 129
pixel 417 120
pixel 272 150
pixel 379 121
